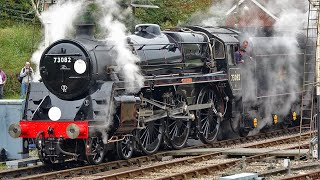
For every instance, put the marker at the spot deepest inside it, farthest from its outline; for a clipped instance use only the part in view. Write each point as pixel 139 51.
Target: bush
pixel 17 44
pixel 172 13
pixel 12 87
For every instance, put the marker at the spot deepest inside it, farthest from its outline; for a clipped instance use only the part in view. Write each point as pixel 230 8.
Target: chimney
pixel 85 31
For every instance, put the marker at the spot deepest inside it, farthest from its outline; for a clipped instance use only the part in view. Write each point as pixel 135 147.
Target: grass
pixel 17 43
pixel 3 166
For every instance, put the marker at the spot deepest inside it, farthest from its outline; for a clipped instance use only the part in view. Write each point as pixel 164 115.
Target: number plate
pixel 61 59
pixel 235 78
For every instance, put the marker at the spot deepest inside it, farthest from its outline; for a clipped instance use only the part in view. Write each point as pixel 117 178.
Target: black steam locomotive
pixel 192 85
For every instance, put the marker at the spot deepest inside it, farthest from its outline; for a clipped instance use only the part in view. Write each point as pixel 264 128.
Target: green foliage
pixel 20 4
pixel 3 167
pixel 16 44
pixel 12 11
pixel 90 15
pixel 171 13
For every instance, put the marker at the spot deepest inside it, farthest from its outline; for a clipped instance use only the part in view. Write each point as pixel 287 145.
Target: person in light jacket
pixel 26 74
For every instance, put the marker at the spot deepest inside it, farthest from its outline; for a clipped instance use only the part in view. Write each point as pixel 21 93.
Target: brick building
pixel 250 14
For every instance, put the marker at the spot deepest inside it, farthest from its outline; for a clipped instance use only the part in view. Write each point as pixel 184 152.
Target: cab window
pixel 219 51
pixel 231 49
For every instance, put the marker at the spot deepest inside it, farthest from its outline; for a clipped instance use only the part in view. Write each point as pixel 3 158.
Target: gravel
pixel 253 167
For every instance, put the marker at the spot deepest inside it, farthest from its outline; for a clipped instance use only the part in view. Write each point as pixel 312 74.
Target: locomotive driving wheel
pixel 208 122
pixel 150 138
pixel 177 130
pixel 95 150
pixel 125 148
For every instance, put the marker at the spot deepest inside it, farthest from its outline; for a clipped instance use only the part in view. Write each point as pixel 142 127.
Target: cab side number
pixel 235 77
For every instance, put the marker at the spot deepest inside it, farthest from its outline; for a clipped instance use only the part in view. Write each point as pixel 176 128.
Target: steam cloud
pixel 111 22
pixel 291 18
pixel 117 32
pixel 288 31
pixel 215 15
pixel 58 23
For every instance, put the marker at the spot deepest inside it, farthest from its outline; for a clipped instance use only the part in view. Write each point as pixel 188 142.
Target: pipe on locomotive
pixel 65 152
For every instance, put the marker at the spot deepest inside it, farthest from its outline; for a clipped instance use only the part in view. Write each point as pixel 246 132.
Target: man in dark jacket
pixel 3 79
pixel 238 56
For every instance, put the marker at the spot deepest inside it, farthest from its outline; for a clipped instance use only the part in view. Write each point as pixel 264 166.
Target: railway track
pixel 37 169
pixel 301 167
pixel 43 171
pixel 308 175
pixel 197 172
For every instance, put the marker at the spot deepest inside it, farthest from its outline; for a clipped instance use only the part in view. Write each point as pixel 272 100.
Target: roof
pixel 226 38
pixel 224 34
pixel 258 4
pixel 219 30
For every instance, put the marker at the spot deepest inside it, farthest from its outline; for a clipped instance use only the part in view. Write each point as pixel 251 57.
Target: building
pixel 250 14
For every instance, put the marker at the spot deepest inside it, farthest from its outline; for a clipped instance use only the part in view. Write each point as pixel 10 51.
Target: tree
pixel 171 13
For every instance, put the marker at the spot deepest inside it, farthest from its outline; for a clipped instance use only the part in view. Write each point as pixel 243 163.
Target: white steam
pixel 117 32
pixel 215 15
pixel 290 18
pixel 35 59
pixel 59 18
pixel 58 23
pixel 111 22
pixel 290 22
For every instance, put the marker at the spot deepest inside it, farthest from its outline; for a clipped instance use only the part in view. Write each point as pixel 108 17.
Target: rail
pixel 195 173
pixel 28 173
pixel 310 175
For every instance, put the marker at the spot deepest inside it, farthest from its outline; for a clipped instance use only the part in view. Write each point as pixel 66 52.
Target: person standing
pixel 245 44
pixel 26 74
pixel 3 79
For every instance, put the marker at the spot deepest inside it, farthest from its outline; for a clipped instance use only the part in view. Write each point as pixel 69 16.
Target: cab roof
pixel 227 35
